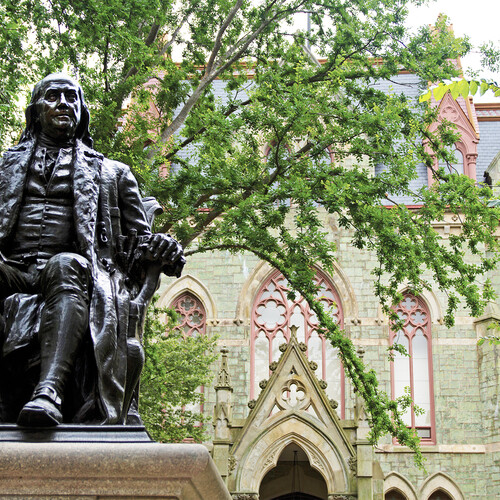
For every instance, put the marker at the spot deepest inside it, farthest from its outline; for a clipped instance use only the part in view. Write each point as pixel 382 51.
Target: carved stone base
pixel 111 470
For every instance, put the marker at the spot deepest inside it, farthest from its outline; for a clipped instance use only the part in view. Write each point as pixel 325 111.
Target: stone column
pixel 471 160
pixel 364 449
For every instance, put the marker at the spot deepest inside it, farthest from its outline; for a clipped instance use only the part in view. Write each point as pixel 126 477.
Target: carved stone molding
pixel 450 113
pixel 269 461
pixel 341 497
pixel 294 395
pixel 316 462
pixel 353 465
pixel 245 496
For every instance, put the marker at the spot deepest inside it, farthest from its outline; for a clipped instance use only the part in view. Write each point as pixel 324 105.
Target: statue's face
pixel 59 109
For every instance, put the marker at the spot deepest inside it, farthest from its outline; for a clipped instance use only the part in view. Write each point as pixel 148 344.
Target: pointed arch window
pixel 415 371
pixel 457 165
pixel 460 113
pixel 192 323
pixel 192 314
pixel 272 316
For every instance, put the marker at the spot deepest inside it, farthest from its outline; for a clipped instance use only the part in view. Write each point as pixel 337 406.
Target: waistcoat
pixel 45 226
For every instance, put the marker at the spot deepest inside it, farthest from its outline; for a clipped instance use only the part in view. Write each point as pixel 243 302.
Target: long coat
pixel 107 204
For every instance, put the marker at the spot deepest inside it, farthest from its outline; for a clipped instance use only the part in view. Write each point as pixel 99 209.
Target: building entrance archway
pixel 293 478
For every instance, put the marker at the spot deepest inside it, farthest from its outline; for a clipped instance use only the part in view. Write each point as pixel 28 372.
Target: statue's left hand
pixel 166 250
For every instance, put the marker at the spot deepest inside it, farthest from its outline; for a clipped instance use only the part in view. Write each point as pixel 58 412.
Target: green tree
pixel 222 193
pixel 174 369
pixel 14 69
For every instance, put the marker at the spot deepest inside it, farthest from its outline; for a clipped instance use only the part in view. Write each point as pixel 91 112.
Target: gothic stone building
pixel 286 423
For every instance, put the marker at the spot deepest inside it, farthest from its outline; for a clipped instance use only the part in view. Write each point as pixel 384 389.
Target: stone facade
pixel 464 457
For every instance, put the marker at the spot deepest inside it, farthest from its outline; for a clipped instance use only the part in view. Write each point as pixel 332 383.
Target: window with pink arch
pixel 192 315
pixel 461 113
pixel 272 316
pixel 415 371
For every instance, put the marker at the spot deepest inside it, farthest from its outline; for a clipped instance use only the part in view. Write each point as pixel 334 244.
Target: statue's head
pixel 57 108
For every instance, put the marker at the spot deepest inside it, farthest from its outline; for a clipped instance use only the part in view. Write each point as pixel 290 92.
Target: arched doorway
pixel 394 495
pixel 293 478
pixel 440 495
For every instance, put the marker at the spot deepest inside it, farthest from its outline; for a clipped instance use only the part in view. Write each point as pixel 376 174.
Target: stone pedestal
pixel 108 470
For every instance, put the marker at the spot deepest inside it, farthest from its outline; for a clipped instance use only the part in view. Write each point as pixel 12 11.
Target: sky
pixel 478 19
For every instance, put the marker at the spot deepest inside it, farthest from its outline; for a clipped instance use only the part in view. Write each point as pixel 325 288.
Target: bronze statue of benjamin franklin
pixel 76 255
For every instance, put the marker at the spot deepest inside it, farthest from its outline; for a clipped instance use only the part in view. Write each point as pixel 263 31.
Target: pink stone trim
pixel 193 322
pixel 452 111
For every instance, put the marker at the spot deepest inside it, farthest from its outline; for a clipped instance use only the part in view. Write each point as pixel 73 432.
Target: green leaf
pixel 440 91
pixel 426 96
pixel 463 87
pixel 455 89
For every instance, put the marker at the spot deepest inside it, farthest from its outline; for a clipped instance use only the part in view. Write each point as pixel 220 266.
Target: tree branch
pixel 153 33
pixel 222 30
pixel 209 77
pixel 174 34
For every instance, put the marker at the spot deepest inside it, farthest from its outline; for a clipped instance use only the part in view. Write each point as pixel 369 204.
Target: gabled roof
pixel 458 111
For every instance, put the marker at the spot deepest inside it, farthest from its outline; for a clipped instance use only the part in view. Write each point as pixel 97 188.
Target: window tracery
pixel 415 370
pixel 192 315
pixel 272 316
